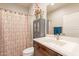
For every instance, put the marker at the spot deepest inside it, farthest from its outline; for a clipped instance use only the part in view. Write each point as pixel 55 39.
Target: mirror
pixel 65 16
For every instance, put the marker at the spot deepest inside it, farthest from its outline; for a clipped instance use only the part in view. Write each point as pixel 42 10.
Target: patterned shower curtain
pixel 13 32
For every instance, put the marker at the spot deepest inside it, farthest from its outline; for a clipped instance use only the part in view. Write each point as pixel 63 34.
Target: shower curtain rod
pixel 21 13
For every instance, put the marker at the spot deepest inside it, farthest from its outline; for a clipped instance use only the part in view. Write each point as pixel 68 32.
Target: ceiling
pixel 51 8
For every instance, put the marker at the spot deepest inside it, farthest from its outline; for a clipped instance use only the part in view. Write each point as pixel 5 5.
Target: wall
pixel 13 7
pixel 71 24
pixel 56 17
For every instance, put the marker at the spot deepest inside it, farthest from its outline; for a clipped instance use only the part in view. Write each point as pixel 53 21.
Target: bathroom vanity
pixel 49 46
pixel 41 50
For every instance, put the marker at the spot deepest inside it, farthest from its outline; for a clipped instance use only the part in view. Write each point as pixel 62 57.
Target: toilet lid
pixel 28 50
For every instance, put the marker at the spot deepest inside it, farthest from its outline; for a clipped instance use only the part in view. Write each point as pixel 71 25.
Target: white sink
pixel 52 41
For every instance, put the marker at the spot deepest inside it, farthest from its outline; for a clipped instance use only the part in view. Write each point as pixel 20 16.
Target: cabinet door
pixel 42 27
pixel 38 51
pixel 36 30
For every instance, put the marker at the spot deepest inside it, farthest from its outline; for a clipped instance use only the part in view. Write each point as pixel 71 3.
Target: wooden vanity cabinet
pixel 41 50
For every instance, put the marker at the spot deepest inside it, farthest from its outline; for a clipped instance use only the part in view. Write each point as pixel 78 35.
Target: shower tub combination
pixel 13 32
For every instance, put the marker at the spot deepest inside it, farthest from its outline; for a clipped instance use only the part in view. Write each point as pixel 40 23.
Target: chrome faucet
pixel 57 37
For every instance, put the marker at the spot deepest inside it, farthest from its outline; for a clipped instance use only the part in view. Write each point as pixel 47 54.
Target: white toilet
pixel 28 51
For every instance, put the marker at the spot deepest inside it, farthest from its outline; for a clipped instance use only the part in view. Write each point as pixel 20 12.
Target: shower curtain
pixel 13 32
